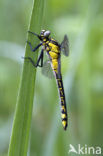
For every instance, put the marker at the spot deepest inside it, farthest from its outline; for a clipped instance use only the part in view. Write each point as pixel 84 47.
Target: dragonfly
pixel 53 49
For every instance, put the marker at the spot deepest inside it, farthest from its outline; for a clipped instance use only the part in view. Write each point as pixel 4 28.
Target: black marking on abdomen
pixel 63 101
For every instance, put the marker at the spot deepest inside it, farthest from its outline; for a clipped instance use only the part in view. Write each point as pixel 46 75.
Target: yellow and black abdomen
pixel 54 53
pixel 63 102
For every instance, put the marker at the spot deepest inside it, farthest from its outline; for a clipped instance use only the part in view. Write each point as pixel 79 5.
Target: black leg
pixel 34 49
pixel 34 34
pixel 40 58
pixel 30 59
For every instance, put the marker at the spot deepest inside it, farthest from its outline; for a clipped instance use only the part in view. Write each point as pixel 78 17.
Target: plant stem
pixel 22 119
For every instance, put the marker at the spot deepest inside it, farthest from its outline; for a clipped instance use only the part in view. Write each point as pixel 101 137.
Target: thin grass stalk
pixel 23 113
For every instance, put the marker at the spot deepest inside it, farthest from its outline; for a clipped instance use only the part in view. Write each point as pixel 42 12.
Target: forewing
pixel 59 67
pixel 47 70
pixel 65 46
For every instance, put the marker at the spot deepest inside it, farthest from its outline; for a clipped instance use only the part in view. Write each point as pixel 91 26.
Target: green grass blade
pixel 22 120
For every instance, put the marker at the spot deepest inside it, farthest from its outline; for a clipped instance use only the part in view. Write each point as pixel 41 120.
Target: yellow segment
pixel 63 116
pixel 47 41
pixel 63 108
pixel 61 92
pixel 53 55
pixel 59 83
pixel 62 101
pixel 64 123
pixel 55 64
pixel 54 47
pixel 53 39
pixel 44 39
pixel 43 43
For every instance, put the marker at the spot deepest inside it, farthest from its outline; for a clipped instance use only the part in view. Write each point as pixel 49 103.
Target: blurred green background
pixel 82 73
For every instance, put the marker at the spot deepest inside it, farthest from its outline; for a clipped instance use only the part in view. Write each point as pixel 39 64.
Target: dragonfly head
pixel 44 34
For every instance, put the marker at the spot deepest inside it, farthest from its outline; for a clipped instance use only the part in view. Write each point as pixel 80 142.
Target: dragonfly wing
pixel 47 70
pixel 59 67
pixel 65 46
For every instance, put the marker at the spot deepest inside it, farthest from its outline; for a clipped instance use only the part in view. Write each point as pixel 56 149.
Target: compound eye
pixel 47 33
pixel 42 33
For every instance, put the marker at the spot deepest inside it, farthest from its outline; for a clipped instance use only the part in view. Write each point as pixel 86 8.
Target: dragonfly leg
pixel 40 58
pixel 30 59
pixel 37 64
pixel 34 34
pixel 34 49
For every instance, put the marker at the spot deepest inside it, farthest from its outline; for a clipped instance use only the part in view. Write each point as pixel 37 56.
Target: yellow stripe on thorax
pixel 54 55
pixel 54 47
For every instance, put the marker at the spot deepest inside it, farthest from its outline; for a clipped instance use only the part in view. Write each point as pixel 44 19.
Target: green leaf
pixel 22 119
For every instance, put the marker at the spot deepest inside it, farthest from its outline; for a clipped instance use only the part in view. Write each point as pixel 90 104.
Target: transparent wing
pixel 47 70
pixel 65 46
pixel 59 67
